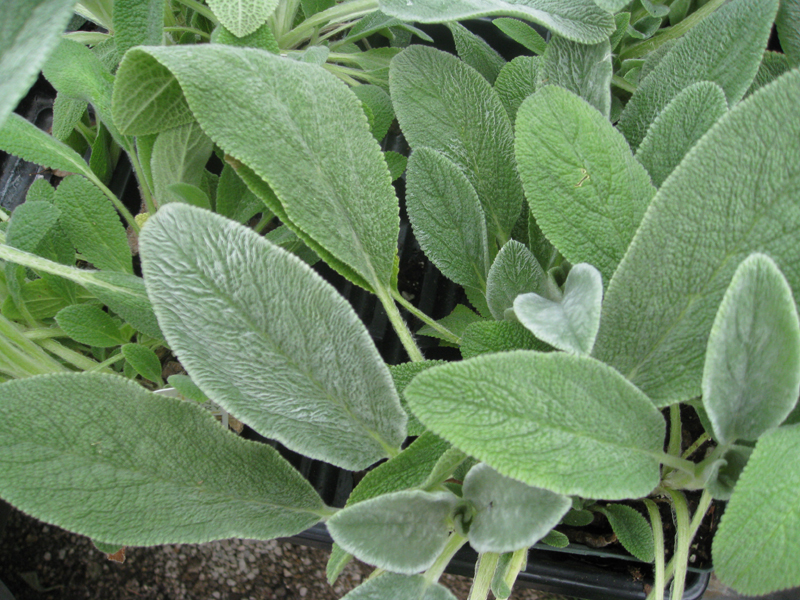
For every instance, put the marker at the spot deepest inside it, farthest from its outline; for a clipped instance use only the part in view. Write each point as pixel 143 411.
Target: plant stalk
pixel 400 326
pixel 435 571
pixel 658 541
pixel 200 9
pixel 37 359
pixel 446 333
pixel 339 13
pixel 484 571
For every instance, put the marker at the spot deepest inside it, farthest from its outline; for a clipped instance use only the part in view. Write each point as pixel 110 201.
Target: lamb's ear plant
pixel 616 272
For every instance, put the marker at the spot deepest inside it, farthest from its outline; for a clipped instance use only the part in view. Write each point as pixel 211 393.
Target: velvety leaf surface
pixel 475 52
pixel 787 22
pixel 90 325
pixel 579 20
pixel 138 469
pixel 447 218
pixel 509 514
pixel 66 114
pixel 144 361
pixel 583 185
pixel 723 481
pixel 30 32
pixel 402 532
pixel 732 195
pixel 632 530
pixel 402 375
pixel 725 48
pixel 486 337
pixel 399 587
pixel 380 106
pixel 514 271
pixel 179 156
pixel 521 33
pixel 687 117
pixel 444 104
pixel 137 23
pixel 92 224
pixel 570 323
pixel 234 199
pixel 242 17
pixel 758 540
pixel 751 378
pixel 517 81
pixel 457 322
pixel 232 305
pixel 584 70
pixel 565 423
pixel 773 65
pixel 326 169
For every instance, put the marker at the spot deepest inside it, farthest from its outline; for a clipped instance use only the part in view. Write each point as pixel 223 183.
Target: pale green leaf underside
pixel 242 17
pixel 475 52
pixel 735 193
pixel 179 155
pixel 569 324
pixel 756 548
pixel 325 168
pixel 402 532
pixel 234 307
pixel 687 117
pixel 443 104
pixel 725 48
pixel 565 423
pixel 132 468
pixel 514 271
pixel 509 514
pixel 447 218
pixel 584 187
pixel 399 587
pixel 31 30
pixel 579 20
pixel 632 530
pixel 751 377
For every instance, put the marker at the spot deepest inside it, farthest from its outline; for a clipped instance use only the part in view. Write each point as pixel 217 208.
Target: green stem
pixel 622 84
pixel 675 430
pixel 697 443
pixel 266 219
pixel 683 538
pixel 484 571
pixel 435 571
pixel 645 47
pixel 38 359
pixel 400 326
pixel 178 29
pixel 107 362
pixel 15 363
pixel 519 560
pixel 346 11
pixel 658 541
pixel 676 462
pixel 76 359
pixel 446 333
pixel 200 9
pixel 44 333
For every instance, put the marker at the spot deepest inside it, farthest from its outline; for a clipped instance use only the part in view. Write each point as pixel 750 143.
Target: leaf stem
pixel 200 9
pixel 623 83
pixel 179 29
pixel 683 539
pixel 675 430
pixel 484 571
pixel 400 326
pixel 35 358
pixel 338 13
pixel 676 462
pixel 658 540
pixel 697 443
pixel 446 333
pixel 144 187
pixel 435 571
pixel 116 202
pixel 76 359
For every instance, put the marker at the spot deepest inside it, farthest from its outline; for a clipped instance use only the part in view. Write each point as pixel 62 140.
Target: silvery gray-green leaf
pixel 584 187
pixel 380 105
pixel 31 31
pixel 510 515
pixel 188 194
pixel 612 6
pixel 233 305
pixel 787 22
pixel 399 587
pixel 456 322
pixel 234 198
pixel 403 532
pixel 522 33
pixel 137 23
pixel 475 52
pixel 585 70
pixel 179 156
pixel 758 540
pixel 652 60
pixel 326 169
pixel 514 271
pixel 92 224
pixel 139 469
pixel 262 38
pixel 562 422
pixel 644 28
pixel 733 194
pixel 187 388
pixel 687 117
pixel 402 375
pixel 285 238
pixel 517 81
pixel 447 218
pixel 571 322
pixel 723 481
pixel 773 65
pixel 579 20
pixel 67 112
pixel 144 361
pixel 751 378
pixel 90 325
pixel 102 159
pixel 621 22
pixel 487 337
pixel 242 16
pixel 444 104
pixel 632 530
pixel 725 48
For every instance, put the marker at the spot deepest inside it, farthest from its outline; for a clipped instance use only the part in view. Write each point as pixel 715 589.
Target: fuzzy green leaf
pixel 445 105
pixel 579 20
pixel 93 225
pixel 758 541
pixel 67 112
pixel 457 322
pixel 242 17
pixel 751 378
pixel 144 361
pixel 522 33
pixel 262 38
pixel 517 81
pixel 31 30
pixel 565 423
pixel 402 375
pixel 475 52
pixel 485 337
pixel 570 323
pixel 137 23
pixel 133 468
pixel 232 305
pixel 234 199
pixel 380 106
pixel 447 218
pixel 733 194
pixel 584 187
pixel 787 22
pixel 687 117
pixel 187 388
pixel 726 474
pixel 514 271
pixel 725 48
pixel 326 169
pixel 399 587
pixel 179 155
pixel 632 530
pixel 509 515
pixel 90 325
pixel 403 532
pixel 583 70
pixel 396 162
pixel 773 65
pixel 556 539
